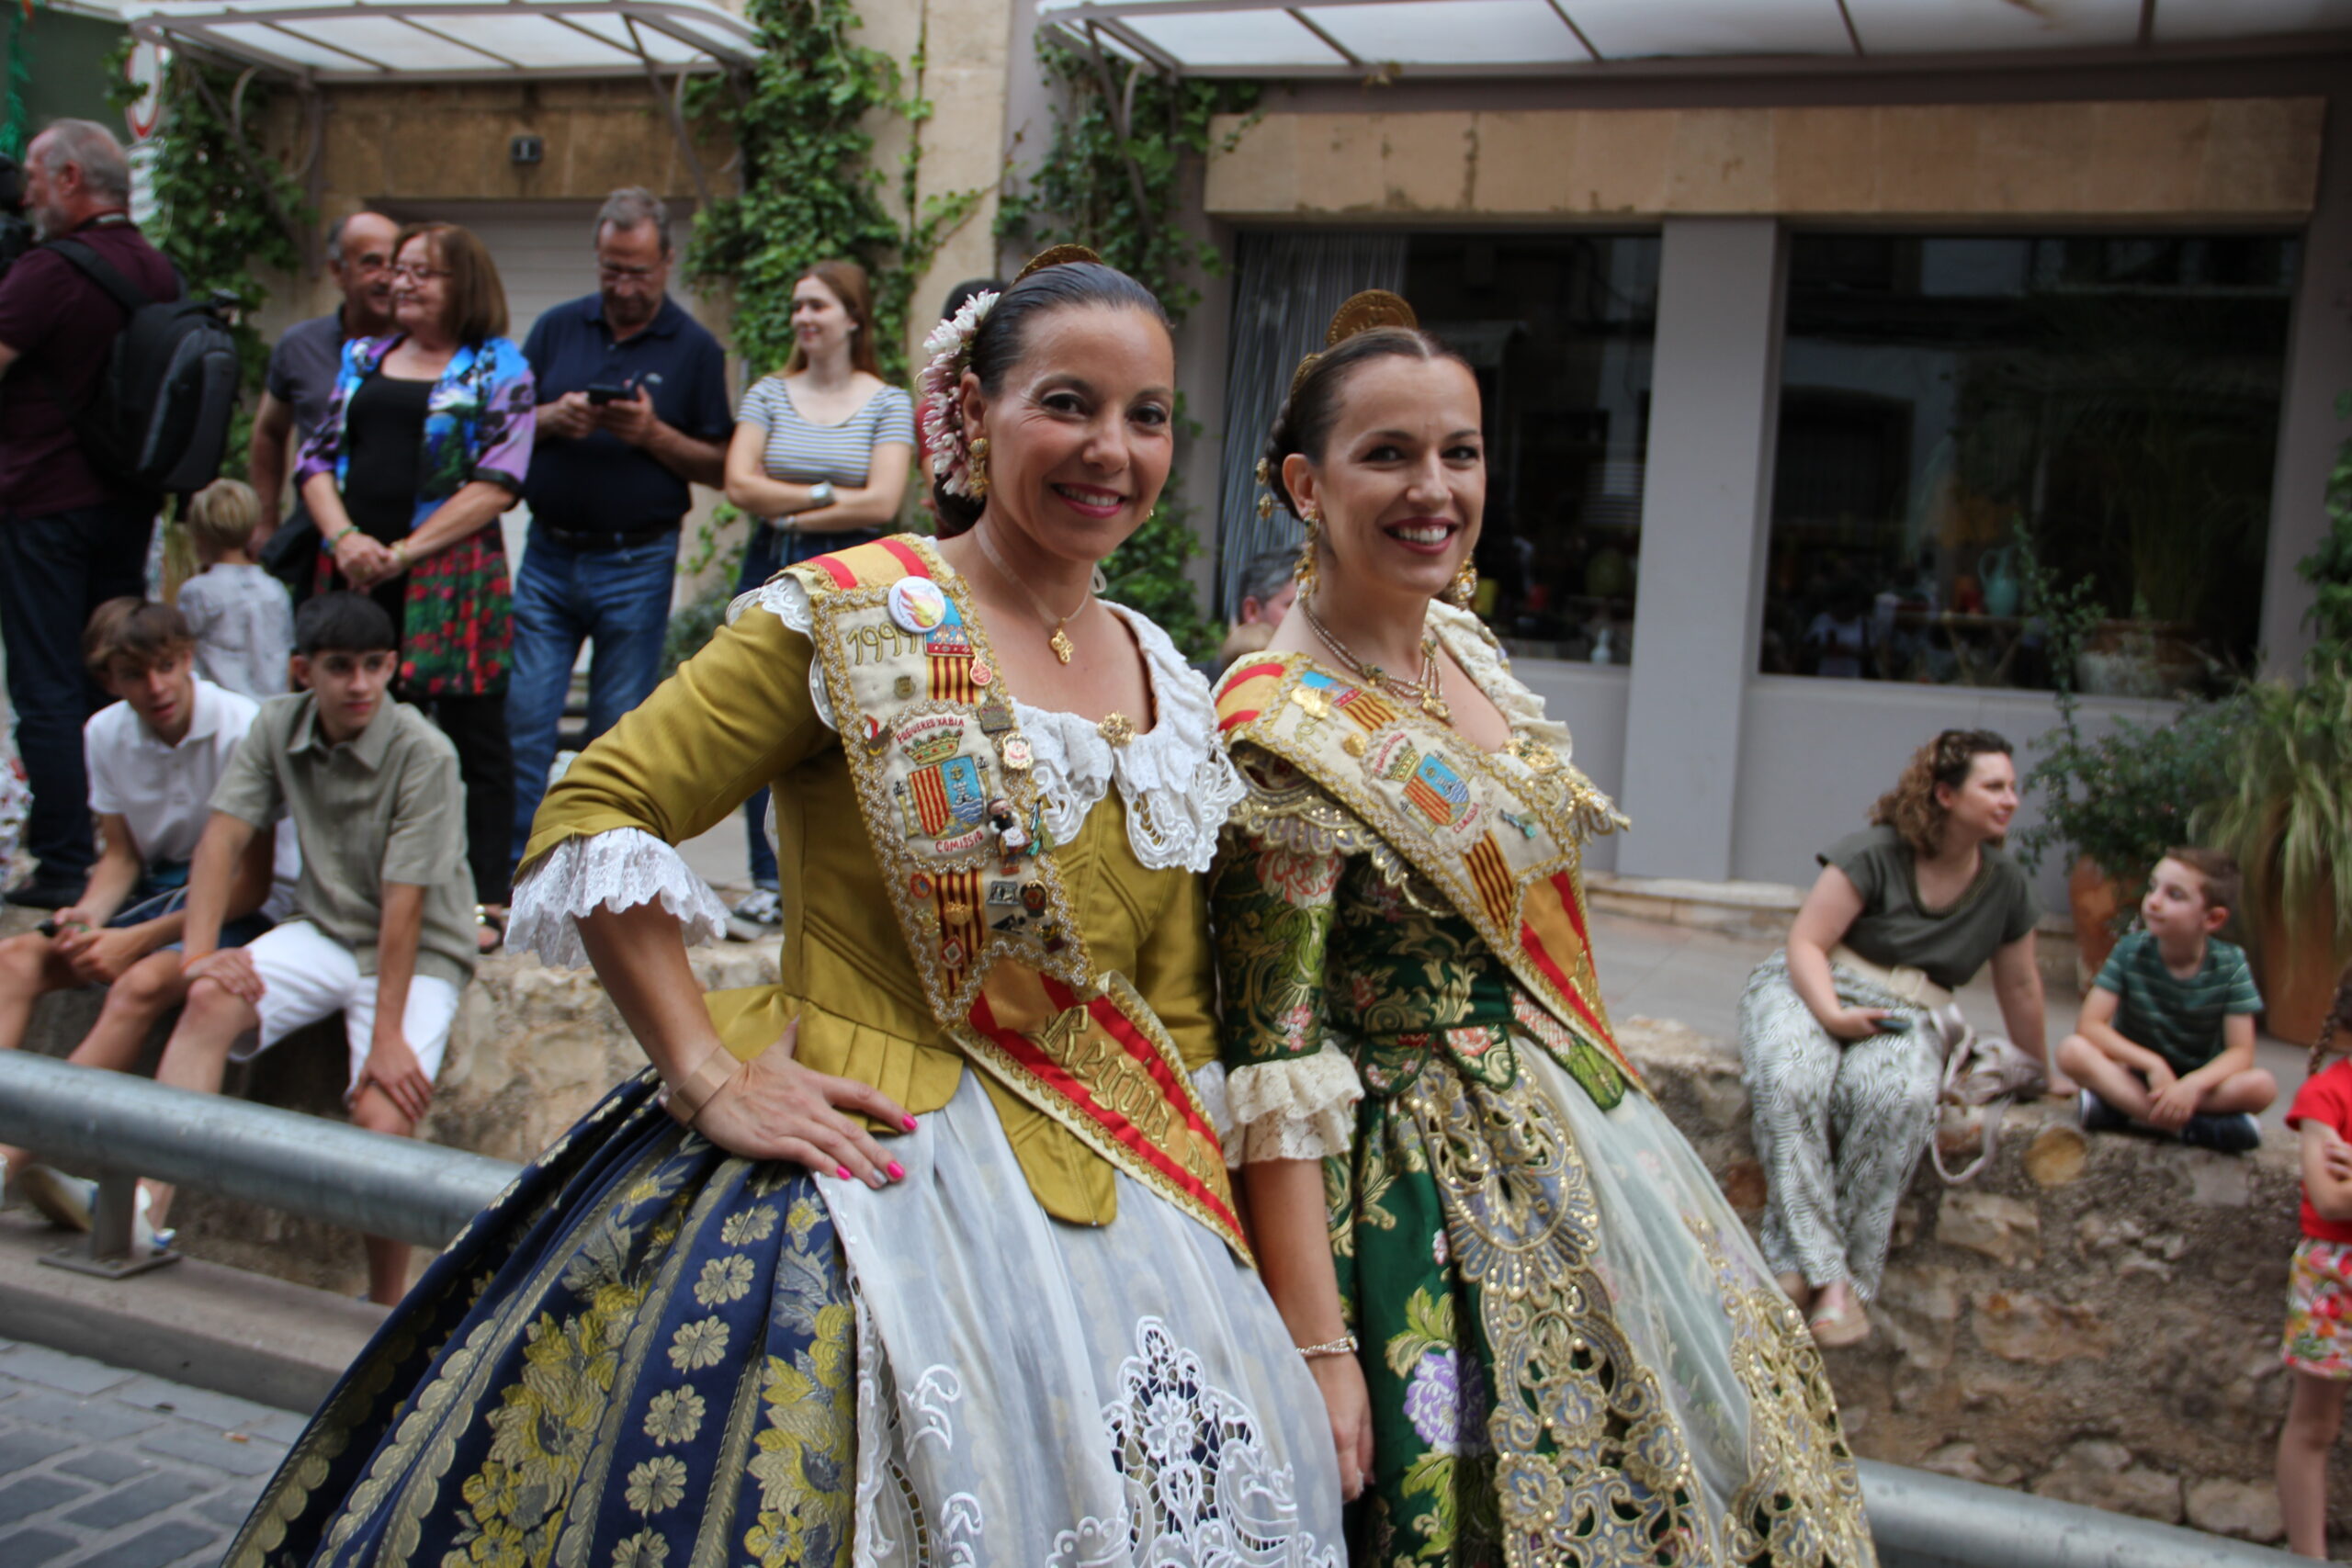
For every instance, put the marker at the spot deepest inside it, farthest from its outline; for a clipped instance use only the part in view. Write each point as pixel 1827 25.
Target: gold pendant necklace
pixel 1059 639
pixel 1424 689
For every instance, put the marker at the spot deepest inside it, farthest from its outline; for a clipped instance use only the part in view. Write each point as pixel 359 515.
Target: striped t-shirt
pixel 802 454
pixel 2178 1020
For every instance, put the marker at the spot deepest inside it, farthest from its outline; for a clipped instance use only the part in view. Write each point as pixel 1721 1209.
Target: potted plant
pixel 2288 820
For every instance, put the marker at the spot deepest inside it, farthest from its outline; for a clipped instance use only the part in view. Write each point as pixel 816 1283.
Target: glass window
pixel 1559 329
pixel 2117 396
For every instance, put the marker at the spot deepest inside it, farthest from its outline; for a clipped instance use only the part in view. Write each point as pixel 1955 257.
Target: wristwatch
pixel 819 494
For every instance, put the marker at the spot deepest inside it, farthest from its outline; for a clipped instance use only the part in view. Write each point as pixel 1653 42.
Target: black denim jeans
pixel 53 571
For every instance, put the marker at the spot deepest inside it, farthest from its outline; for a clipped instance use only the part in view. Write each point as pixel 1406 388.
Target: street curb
pixel 197 1322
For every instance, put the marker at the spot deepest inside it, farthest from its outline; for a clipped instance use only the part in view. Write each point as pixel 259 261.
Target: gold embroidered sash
pixel 1498 835
pixel 943 779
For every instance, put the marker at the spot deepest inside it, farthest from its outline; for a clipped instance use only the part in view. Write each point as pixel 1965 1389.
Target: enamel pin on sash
pixel 917 604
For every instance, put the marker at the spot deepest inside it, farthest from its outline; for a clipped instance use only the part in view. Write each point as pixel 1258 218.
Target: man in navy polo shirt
pixel 636 407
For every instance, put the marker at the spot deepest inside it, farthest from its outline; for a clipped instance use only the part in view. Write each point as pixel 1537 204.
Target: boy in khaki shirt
pixel 381 929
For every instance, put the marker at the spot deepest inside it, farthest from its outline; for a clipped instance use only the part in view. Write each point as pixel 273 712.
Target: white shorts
pixel 307 975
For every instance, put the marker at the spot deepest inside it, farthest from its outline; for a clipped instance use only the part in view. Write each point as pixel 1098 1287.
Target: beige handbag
pixel 1983 1076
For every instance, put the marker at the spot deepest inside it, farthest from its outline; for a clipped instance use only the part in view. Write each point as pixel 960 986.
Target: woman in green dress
pixel 1542 1337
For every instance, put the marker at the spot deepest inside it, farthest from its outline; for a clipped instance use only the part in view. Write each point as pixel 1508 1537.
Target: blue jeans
pixel 619 600
pixel 769 552
pixel 53 571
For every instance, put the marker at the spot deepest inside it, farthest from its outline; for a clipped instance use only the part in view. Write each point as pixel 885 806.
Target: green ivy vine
pixel 1112 178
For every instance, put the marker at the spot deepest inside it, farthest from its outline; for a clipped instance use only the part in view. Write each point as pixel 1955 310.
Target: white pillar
pixel 1714 383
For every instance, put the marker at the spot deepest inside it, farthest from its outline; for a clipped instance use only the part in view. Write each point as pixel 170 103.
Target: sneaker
pixel 2095 1115
pixel 758 916
pixel 40 895
pixel 61 1200
pixel 2231 1135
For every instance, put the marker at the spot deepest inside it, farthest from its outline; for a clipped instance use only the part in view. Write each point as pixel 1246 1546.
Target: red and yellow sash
pixel 1498 835
pixel 941 770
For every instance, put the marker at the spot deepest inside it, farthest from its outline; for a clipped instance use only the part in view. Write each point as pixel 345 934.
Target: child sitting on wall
pixel 2166 1037
pixel 242 619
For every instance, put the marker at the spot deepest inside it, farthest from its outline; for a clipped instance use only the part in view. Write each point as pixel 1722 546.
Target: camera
pixel 603 392
pixel 15 230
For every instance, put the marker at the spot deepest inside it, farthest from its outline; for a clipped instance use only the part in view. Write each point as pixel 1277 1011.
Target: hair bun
pixel 1363 312
pixel 1064 255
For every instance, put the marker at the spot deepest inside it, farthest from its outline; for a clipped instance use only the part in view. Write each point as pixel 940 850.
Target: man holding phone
pixel 635 409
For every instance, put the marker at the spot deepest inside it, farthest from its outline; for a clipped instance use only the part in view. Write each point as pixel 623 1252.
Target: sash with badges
pixel 943 779
pixel 1498 835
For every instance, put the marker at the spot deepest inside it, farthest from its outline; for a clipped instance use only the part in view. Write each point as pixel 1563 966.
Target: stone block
pixel 31 1547
pixel 215 1451
pixel 2247 1509
pixel 22 1498
pixel 2003 1229
pixel 2102 1475
pixel 2020 1326
pixel 54 1369
pixel 167 1542
pixel 127 1504
pixel 2056 1155
pixel 1723 161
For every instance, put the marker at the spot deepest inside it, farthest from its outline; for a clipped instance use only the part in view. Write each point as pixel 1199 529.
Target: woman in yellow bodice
pixel 925 1254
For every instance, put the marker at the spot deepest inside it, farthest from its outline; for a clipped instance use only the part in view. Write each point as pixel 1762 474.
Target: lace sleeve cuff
pixel 614 870
pixel 1299 1108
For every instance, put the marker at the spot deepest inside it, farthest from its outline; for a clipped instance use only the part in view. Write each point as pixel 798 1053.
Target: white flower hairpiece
pixel 940 388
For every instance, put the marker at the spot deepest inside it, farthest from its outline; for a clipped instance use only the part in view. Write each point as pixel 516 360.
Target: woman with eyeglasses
pixel 819 463
pixel 425 443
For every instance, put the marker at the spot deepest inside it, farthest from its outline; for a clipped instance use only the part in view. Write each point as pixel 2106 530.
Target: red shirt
pixel 2325 1098
pixel 61 323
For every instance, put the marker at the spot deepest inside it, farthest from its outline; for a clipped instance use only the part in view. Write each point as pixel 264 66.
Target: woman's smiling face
pixel 1401 483
pixel 1081 431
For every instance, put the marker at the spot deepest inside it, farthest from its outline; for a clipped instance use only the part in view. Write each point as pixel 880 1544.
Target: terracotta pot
pixel 2094 896
pixel 2298 970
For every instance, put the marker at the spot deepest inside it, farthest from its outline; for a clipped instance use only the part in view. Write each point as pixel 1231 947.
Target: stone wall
pixel 2091 1319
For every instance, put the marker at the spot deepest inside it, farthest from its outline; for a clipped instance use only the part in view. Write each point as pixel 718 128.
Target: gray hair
pixel 633 207
pixel 91 148
pixel 1264 576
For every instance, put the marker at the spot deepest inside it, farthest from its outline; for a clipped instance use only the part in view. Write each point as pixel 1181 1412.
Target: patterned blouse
pixel 479 423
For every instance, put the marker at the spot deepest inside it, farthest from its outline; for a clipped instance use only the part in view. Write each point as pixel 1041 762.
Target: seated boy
pixel 154 758
pixel 242 619
pixel 2166 1034
pixel 382 925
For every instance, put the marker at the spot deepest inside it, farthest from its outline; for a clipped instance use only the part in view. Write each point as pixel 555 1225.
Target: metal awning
pixel 452 41
pixel 1440 38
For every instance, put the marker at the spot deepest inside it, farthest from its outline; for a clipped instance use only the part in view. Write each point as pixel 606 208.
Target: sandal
pixel 1841 1327
pixel 490 918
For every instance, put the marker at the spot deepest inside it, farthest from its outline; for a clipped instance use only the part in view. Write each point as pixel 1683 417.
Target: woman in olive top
pixel 1836 1040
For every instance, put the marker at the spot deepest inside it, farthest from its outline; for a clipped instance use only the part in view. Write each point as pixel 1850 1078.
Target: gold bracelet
pixel 1345 1344
pixel 687 1100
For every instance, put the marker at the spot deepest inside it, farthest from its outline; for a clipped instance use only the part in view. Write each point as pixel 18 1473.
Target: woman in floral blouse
pixel 1542 1338
pixel 424 444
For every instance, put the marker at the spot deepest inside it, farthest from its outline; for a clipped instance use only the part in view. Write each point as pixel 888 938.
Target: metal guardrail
pixel 124 1127
pixel 119 1127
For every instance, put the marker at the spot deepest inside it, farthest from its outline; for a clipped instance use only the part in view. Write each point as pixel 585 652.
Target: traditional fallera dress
pixel 1574 1355
pixel 1045 1347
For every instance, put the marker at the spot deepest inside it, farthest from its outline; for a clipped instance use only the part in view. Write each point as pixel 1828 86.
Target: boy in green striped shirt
pixel 2166 1033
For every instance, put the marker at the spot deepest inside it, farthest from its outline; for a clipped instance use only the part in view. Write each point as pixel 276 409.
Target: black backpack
pixel 158 418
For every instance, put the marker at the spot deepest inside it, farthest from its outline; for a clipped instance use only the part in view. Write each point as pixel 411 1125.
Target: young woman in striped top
pixel 819 462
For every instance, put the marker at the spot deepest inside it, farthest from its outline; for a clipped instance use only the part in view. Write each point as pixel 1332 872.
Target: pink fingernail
pixel 898 1172
pixel 910 1123
pixel 842 1173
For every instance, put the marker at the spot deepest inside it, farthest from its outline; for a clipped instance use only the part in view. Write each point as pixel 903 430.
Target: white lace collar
pixel 1176 781
pixel 1473 646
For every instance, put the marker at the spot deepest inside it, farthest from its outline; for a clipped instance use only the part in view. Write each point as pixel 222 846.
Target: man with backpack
pixel 71 535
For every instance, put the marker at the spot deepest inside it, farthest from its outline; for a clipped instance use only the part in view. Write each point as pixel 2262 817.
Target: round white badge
pixel 917 604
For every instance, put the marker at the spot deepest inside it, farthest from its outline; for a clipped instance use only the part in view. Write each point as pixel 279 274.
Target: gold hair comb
pixel 1359 313
pixel 1065 256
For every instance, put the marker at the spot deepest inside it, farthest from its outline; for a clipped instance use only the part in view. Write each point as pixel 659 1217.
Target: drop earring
pixel 979 464
pixel 1303 573
pixel 1463 593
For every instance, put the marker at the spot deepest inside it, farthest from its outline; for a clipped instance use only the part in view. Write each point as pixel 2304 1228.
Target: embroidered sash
pixel 943 779
pixel 1498 835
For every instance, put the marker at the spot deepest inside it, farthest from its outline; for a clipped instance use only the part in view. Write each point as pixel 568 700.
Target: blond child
pixel 2317 1348
pixel 2166 1037
pixel 242 617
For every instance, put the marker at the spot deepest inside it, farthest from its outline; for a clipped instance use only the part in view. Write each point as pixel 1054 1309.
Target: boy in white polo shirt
pixel 153 756
pixel 382 928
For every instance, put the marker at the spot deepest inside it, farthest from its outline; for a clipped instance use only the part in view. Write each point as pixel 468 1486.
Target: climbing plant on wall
pixel 15 132
pixel 1112 178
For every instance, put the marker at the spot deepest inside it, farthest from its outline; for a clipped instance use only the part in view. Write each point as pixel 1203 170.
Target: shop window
pixel 1559 330
pixel 2117 396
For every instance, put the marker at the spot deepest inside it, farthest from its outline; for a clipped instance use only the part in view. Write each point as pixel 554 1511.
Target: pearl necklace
pixel 1423 689
pixel 1060 639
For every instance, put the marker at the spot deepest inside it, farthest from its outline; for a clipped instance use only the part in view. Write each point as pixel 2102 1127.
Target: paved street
pixel 106 1469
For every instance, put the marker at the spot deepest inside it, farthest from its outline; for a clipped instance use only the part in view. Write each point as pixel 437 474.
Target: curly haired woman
pixel 1838 1036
